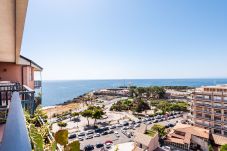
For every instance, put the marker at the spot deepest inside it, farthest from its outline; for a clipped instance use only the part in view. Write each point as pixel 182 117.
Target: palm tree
pixel 97 114
pixel 87 114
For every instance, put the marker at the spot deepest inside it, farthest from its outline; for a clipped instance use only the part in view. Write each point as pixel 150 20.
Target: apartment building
pixel 17 81
pixel 209 108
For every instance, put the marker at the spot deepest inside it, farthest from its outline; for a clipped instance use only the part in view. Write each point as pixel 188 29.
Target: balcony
pixel 218 106
pixel 37 84
pixel 27 96
pixel 15 124
pixel 13 98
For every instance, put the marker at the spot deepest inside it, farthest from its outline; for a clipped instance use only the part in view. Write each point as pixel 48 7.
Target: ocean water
pixel 56 92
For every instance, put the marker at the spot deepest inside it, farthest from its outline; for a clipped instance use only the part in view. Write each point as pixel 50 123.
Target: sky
pixel 127 39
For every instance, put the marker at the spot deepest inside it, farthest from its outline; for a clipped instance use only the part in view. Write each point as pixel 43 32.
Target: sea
pixel 57 92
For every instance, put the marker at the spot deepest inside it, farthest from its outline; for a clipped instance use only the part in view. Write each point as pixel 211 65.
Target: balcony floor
pixel 2 127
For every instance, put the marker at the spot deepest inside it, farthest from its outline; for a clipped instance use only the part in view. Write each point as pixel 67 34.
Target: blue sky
pixel 127 39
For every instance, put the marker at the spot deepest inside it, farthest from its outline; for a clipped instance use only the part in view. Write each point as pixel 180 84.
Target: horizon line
pixel 220 78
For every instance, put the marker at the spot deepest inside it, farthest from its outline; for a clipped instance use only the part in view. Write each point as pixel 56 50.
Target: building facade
pixel 209 108
pixel 17 81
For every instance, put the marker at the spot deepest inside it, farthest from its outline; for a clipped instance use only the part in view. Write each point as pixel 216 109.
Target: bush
pixel 61 137
pixel 224 147
pixel 62 124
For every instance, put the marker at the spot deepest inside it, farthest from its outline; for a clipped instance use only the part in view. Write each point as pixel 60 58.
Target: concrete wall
pixel 203 143
pixel 13 72
pixel 7 30
pixel 154 143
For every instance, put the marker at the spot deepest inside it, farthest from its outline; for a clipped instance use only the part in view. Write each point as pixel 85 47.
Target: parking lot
pixel 122 138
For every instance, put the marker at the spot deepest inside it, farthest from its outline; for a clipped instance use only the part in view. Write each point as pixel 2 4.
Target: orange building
pixel 210 108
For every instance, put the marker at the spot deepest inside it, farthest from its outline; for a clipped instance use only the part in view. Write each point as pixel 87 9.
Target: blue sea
pixel 56 92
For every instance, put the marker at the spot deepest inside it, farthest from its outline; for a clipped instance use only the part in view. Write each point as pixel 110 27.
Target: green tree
pixel 74 146
pixel 87 114
pixel 97 114
pixel 160 129
pixel 62 124
pixel 158 92
pixel 223 147
pixel 61 137
pixel 141 106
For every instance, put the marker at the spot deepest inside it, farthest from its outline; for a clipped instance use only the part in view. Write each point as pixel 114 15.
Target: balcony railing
pixel 27 96
pixel 15 135
pixel 37 84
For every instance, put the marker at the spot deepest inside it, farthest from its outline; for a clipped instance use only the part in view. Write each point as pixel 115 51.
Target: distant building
pixel 144 142
pixel 209 108
pixel 186 136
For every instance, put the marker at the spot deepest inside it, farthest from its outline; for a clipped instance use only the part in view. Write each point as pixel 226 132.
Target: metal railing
pixel 27 96
pixel 15 135
pixel 37 84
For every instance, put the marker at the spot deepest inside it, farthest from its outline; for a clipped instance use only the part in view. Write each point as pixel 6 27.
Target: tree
pixel 74 146
pixel 87 114
pixel 160 129
pixel 75 114
pixel 158 92
pixel 62 124
pixel 61 137
pixel 141 106
pixel 97 114
pixel 223 147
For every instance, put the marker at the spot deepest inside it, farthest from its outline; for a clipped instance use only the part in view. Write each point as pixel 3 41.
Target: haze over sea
pixel 56 92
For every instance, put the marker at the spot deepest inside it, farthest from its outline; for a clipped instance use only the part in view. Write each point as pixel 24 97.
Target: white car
pixel 97 135
pixel 108 145
pixel 80 138
pixel 89 137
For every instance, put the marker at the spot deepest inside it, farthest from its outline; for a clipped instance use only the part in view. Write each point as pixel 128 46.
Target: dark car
pixel 72 136
pixel 98 130
pixel 88 147
pixel 105 128
pixel 125 123
pixel 104 133
pixel 99 145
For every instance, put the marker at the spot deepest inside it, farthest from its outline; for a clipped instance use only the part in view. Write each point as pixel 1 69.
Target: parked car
pixel 80 138
pixel 88 147
pixel 148 122
pixel 89 137
pixel 105 128
pixel 81 134
pixel 108 144
pixel 99 145
pixel 125 123
pixel 119 125
pixel 104 133
pixel 136 125
pixel 124 128
pixel 90 132
pixel 97 135
pixel 112 127
pixel 71 136
pixel 98 130
pixel 110 132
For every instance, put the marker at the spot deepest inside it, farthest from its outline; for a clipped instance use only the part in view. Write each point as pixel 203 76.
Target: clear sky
pixel 127 39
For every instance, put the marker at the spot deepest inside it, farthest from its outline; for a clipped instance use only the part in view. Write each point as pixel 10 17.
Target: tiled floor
pixel 2 127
